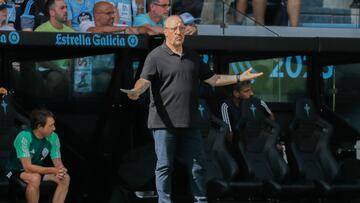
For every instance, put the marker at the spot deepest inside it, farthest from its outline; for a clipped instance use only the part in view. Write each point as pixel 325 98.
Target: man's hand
pixel 247 75
pixel 280 147
pixel 3 91
pixel 132 30
pixel 141 85
pixel 190 30
pixel 61 172
pixel 132 94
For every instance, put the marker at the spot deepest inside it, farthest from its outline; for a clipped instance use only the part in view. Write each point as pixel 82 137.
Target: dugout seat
pixel 258 157
pixel 309 145
pixel 223 171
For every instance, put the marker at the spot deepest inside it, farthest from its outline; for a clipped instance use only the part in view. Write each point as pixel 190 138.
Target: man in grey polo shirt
pixel 174 73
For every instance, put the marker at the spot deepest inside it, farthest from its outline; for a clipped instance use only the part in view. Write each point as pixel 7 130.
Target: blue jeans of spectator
pixel 189 142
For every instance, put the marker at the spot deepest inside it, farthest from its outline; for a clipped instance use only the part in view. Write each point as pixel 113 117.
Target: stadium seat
pixel 259 159
pixel 309 145
pixel 8 131
pixel 222 170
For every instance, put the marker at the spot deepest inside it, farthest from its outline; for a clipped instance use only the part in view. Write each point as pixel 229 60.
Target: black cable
pixel 223 26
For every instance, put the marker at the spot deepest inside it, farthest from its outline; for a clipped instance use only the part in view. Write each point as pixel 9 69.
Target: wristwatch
pixel 238 78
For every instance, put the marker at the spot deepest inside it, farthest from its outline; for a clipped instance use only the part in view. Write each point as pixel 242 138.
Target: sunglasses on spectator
pixel 107 13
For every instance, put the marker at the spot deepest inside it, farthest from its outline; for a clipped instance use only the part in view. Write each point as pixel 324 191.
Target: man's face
pixel 3 16
pixel 48 128
pixel 59 12
pixel 174 31
pixel 245 92
pixel 161 9
pixel 105 15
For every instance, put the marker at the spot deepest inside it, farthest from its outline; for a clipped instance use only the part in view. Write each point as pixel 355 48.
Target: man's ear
pixel 51 12
pixel 151 7
pixel 236 93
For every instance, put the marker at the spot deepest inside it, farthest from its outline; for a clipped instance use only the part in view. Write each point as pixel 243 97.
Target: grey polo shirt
pixel 174 91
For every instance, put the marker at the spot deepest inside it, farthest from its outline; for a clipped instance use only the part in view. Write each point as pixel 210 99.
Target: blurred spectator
pixel 293 10
pixel 213 11
pixel 259 10
pixel 231 107
pixel 116 12
pixel 58 15
pixel 154 19
pixel 33 14
pixel 104 17
pixel 123 11
pixel 78 11
pixel 139 7
pixel 10 13
pixel 4 25
pixel 191 6
pixel 55 72
pixel 126 10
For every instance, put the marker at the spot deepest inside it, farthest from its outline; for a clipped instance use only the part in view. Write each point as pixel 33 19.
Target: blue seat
pixel 223 171
pixel 8 131
pixel 258 157
pixel 309 145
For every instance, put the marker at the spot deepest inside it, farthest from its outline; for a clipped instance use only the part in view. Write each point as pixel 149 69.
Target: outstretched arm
pixel 222 80
pixel 140 87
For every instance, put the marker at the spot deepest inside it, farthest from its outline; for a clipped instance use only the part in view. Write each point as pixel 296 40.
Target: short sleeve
pixel 204 72
pixel 11 14
pixel 22 144
pixel 140 20
pixel 149 69
pixel 55 146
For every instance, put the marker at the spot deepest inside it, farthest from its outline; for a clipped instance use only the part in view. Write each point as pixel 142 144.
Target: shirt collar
pixel 169 51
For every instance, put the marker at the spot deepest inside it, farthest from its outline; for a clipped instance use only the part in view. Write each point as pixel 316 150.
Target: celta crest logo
pixel 4 106
pixel 253 109
pixel 307 109
pixel 133 40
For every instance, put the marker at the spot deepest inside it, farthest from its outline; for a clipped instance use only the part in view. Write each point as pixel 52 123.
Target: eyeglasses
pixel 173 29
pixel 163 5
pixel 110 13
